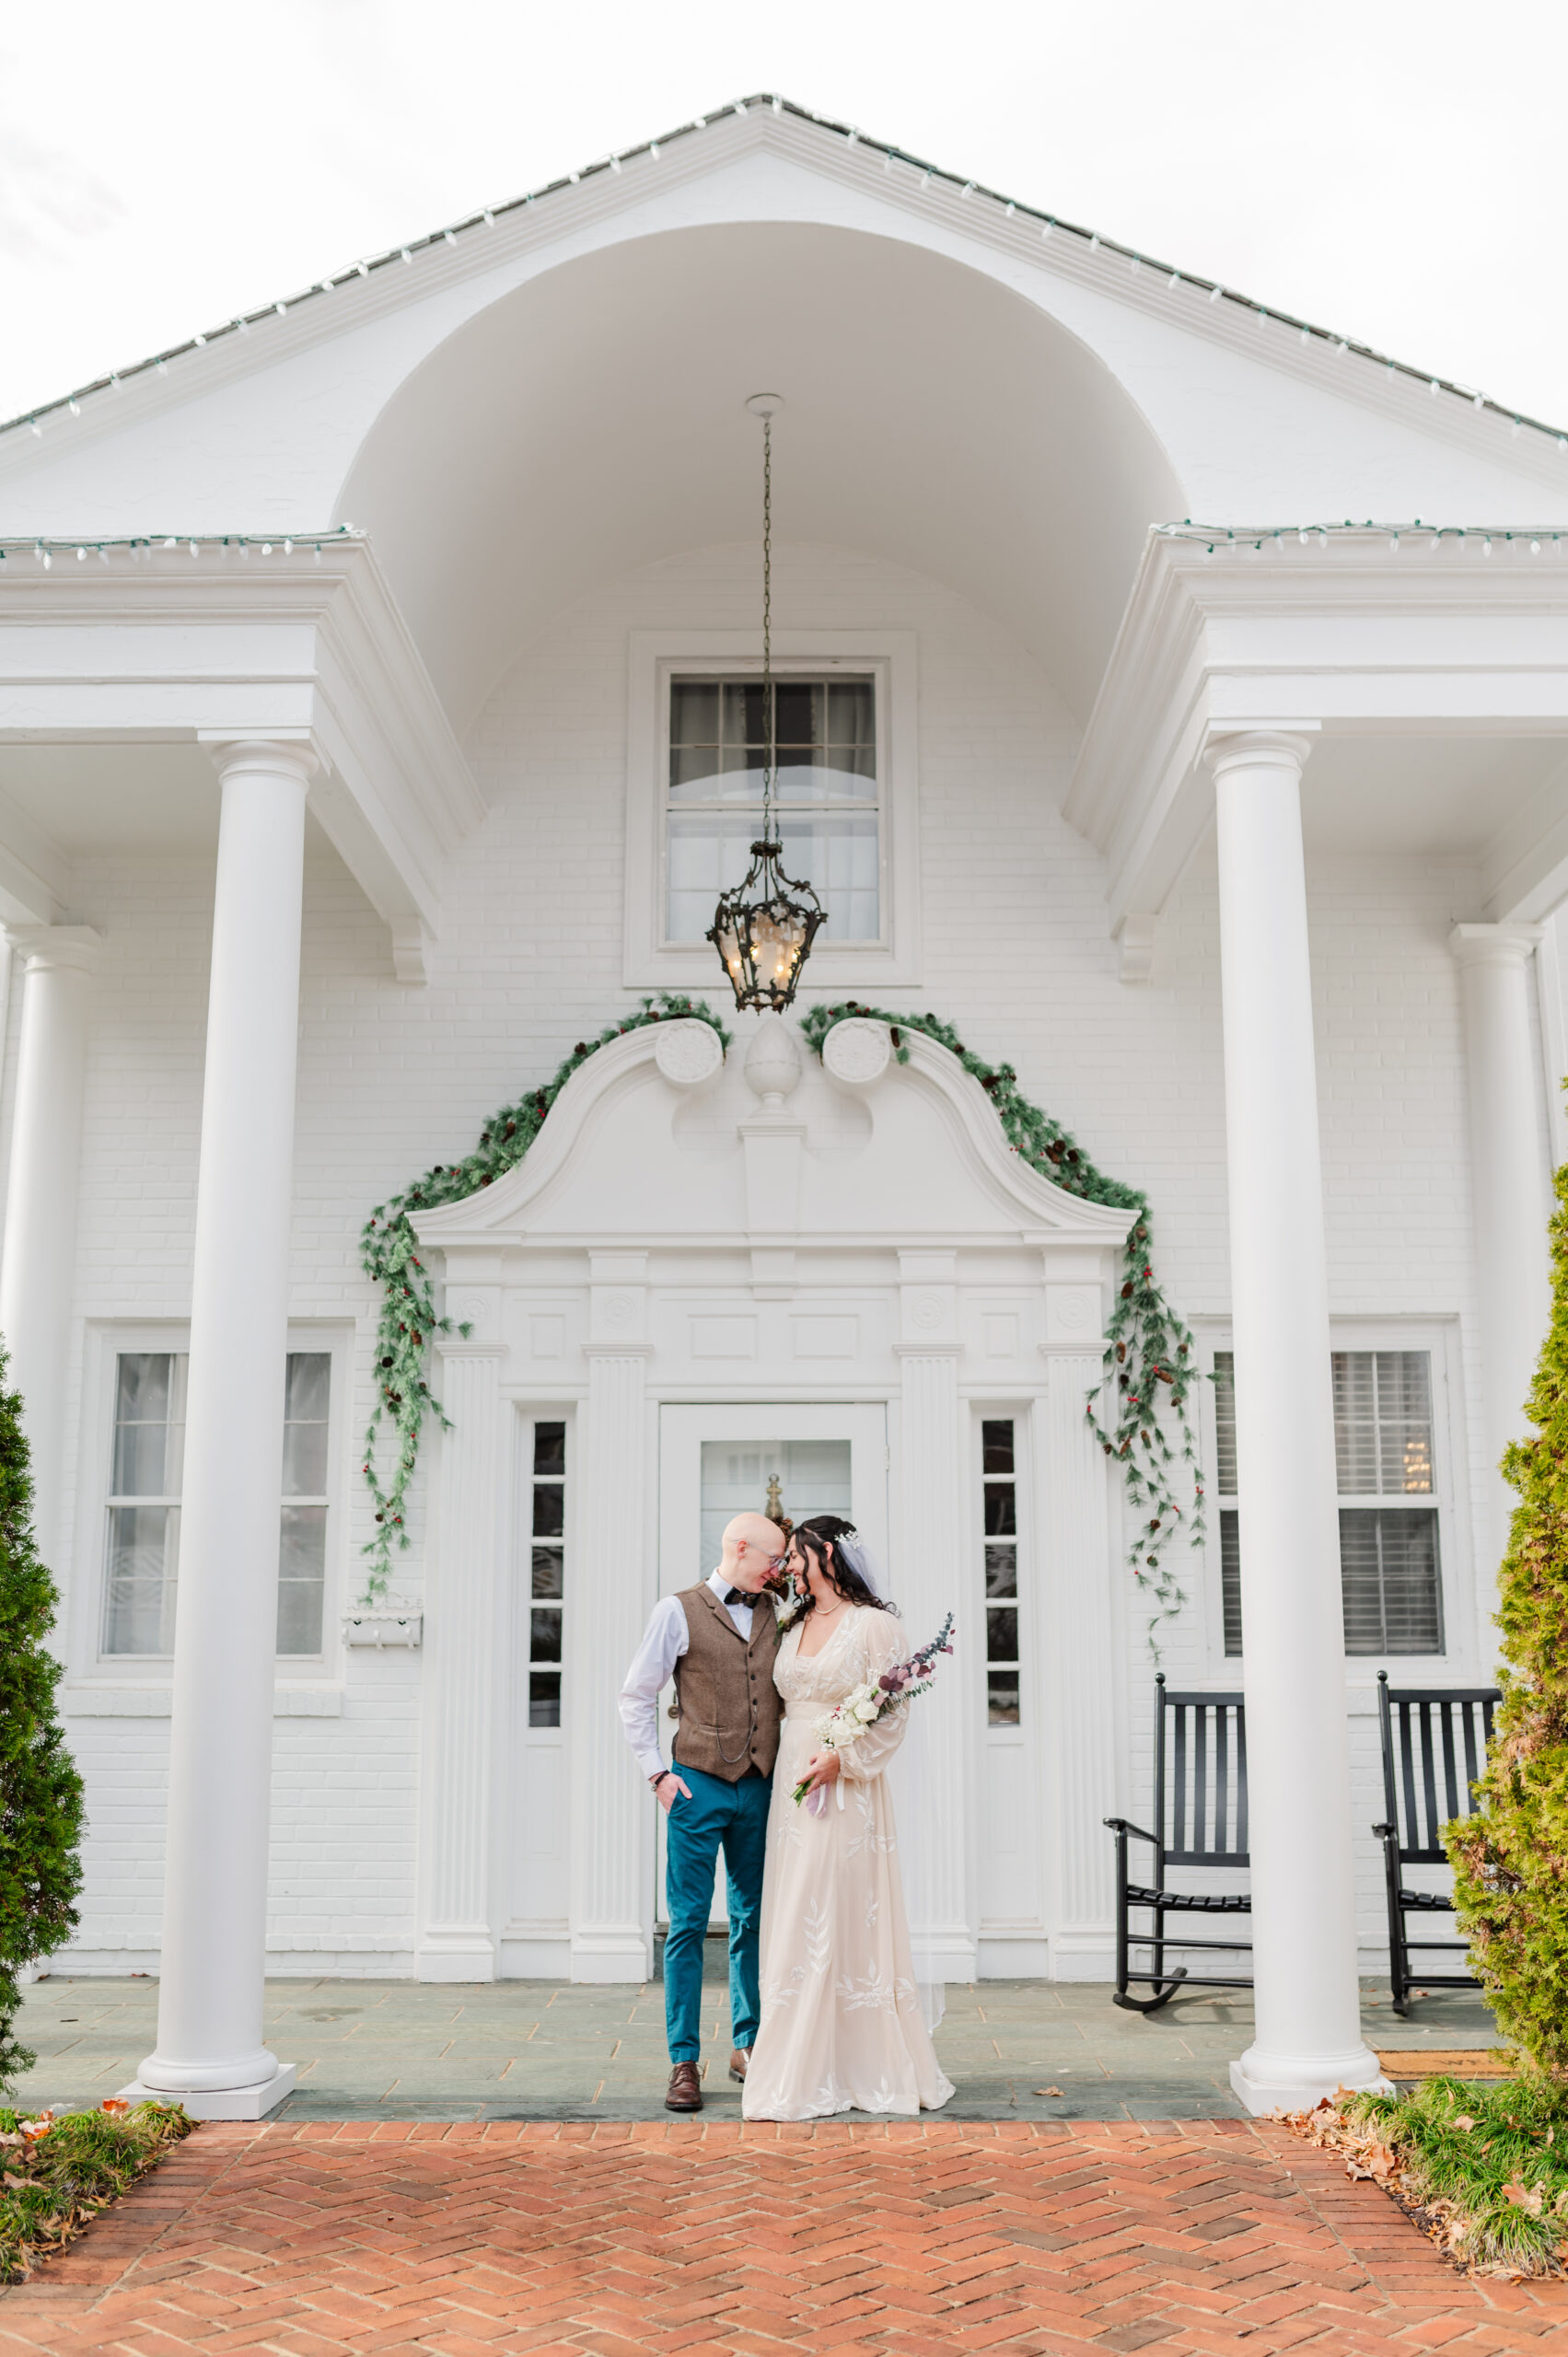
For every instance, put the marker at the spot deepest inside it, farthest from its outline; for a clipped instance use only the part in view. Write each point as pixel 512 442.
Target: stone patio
pixel 534 2051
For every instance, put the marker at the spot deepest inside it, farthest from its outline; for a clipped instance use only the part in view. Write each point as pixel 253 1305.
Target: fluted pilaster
pixel 463 1729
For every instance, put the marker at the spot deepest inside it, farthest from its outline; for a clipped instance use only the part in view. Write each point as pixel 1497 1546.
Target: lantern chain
pixel 771 761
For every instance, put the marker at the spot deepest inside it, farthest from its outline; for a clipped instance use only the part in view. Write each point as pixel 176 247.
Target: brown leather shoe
pixel 685 2092
pixel 739 2062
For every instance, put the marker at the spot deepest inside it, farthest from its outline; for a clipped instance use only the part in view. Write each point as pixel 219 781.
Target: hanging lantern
pixel 764 928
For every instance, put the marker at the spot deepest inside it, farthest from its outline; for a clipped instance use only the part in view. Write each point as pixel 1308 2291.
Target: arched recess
pixel 592 421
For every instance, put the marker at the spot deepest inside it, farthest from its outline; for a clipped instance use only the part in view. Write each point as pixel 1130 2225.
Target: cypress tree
pixel 1511 1859
pixel 40 1792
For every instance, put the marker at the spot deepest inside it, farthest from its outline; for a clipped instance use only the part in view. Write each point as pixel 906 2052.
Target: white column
pixel 463 1661
pixel 39 1264
pixel 611 1810
pixel 1079 1565
pixel 209 2049
pixel 936 1785
pixel 1307 2038
pixel 1508 1184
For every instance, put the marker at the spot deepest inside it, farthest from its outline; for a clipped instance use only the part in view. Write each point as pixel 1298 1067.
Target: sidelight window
pixel 999 1484
pixel 548 1575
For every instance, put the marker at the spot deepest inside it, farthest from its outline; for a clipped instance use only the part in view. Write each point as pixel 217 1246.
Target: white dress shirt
pixel 666 1638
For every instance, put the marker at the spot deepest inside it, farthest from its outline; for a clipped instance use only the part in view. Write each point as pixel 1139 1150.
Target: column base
pixel 220 2103
pixel 1266 2083
pixel 616 1954
pixel 455 1957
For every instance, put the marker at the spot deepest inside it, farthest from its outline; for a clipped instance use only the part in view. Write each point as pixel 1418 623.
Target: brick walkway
pixel 310 2238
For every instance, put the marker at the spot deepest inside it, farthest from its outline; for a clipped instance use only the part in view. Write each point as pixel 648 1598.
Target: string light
pixel 853 139
pixel 1208 536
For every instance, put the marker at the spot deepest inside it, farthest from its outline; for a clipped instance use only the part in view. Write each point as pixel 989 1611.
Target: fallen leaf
pixel 114 2103
pixel 1048 2090
pixel 1465 2122
pixel 1523 2197
pixel 15 2182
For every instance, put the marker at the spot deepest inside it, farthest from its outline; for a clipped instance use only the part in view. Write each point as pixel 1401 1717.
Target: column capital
pixel 291 756
pixel 75 947
pixel 1284 745
pixel 1494 944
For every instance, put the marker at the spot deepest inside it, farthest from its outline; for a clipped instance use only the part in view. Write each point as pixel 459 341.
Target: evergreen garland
pixel 40 1792
pixel 1511 1859
pixel 390 1255
pixel 1146 1343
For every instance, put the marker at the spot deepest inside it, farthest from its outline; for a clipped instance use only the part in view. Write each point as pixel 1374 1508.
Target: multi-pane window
pixel 999 1475
pixel 827 811
pixel 547 1574
pixel 302 1554
pixel 142 1541
pixel 1390 1566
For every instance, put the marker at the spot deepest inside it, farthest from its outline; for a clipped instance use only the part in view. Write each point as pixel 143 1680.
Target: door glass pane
pixel 813 1478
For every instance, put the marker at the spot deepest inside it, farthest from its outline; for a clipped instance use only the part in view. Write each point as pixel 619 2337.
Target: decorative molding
pixel 47 948
pixel 468 1646
pixel 858 1052
pixel 689 1055
pixel 1136 938
pixel 1358 637
pixel 414 943
pixel 612 1827
pixel 297 648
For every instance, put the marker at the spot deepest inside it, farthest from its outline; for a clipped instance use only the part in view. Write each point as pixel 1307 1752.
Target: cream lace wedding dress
pixel 843 2026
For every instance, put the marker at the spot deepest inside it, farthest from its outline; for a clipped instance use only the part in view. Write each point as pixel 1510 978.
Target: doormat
pixel 1450 2063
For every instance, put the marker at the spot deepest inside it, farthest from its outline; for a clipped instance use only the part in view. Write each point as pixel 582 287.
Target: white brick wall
pixel 1015 952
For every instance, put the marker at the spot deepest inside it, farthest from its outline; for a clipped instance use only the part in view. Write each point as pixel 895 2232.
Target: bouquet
pixel 864 1704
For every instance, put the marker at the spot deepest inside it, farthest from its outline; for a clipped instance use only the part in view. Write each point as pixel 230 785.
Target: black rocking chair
pixel 1201 1811
pixel 1434 1743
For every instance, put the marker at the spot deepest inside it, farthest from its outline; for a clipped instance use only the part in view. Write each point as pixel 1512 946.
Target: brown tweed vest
pixel 724 1696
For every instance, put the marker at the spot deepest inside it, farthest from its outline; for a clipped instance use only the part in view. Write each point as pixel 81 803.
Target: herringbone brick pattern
pixel 906 2240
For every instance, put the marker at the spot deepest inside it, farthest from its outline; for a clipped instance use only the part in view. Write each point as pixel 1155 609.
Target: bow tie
pixel 738 1596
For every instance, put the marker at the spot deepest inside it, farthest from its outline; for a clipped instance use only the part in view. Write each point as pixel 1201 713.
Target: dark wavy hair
pixel 816 1536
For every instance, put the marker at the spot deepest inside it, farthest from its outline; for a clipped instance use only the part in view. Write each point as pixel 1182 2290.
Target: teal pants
pixel 734 1818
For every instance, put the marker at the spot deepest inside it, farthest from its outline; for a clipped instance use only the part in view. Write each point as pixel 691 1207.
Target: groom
pixel 718 1642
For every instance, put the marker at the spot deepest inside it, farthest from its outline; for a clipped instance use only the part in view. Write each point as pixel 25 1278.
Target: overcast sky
pixel 1392 169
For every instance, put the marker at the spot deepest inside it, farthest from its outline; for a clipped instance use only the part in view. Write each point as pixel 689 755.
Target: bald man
pixel 717 1641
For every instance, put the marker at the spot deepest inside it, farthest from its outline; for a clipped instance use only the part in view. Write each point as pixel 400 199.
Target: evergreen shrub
pixel 40 1792
pixel 1511 1859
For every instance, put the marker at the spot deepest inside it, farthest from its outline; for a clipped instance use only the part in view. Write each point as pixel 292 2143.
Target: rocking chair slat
pixel 1416 1725
pixel 1200 1816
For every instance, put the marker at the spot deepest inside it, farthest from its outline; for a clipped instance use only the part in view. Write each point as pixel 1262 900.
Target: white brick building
pixel 993 427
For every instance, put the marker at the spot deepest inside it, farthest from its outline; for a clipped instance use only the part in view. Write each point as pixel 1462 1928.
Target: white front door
pixel 719 1461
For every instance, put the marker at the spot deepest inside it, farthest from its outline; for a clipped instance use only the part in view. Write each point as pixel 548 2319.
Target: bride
pixel 843 2026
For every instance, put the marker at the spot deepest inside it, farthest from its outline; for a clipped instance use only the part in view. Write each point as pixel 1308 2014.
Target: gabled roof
pixel 1012 208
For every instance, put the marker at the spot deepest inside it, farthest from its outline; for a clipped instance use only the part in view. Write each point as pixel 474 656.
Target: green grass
pixel 57 2174
pixel 1487 2166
